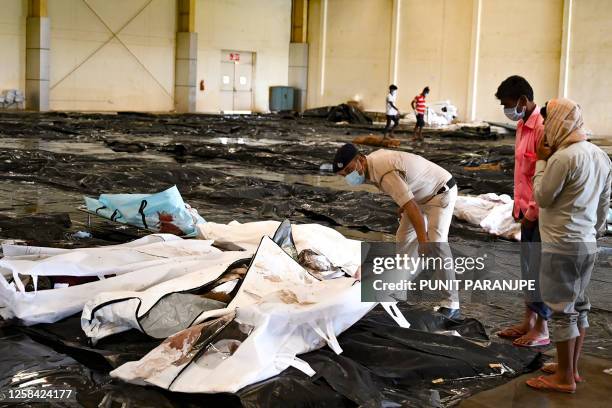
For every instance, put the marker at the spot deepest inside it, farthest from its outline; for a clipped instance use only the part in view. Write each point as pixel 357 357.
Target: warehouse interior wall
pixel 434 50
pixel 12 44
pixel 521 37
pixel 356 61
pixel 352 56
pixel 109 55
pixel 590 68
pixel 261 27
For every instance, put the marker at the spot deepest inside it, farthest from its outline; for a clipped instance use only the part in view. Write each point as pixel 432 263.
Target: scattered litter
pixel 81 235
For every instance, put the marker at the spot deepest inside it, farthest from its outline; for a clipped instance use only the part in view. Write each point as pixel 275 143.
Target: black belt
pixel 449 184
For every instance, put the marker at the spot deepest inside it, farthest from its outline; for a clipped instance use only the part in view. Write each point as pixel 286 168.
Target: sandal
pixel 511 333
pixel 541 383
pixel 541 342
pixel 551 368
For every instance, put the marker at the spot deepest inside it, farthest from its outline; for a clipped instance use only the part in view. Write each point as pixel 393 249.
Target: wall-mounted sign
pixel 234 56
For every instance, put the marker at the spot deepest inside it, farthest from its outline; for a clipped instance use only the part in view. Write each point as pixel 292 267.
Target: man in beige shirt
pixel 425 193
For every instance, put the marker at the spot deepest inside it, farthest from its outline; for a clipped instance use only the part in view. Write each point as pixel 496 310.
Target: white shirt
pixel 391 111
pixel 405 176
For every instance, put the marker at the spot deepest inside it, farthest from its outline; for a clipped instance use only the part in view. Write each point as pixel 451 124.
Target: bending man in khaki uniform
pixel 424 192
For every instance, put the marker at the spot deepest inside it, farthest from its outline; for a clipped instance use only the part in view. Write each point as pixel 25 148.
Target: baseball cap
pixel 344 155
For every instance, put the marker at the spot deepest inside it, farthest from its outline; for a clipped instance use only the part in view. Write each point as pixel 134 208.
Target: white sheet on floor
pixel 491 212
pixel 341 251
pixel 114 312
pixel 137 265
pixel 288 313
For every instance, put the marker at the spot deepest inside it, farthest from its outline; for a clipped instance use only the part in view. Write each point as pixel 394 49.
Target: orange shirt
pixel 528 135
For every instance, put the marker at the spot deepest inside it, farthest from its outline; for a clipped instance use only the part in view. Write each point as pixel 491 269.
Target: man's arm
pixel 412 211
pixel 533 211
pixel 603 207
pixel 413 104
pixel 400 191
pixel 393 106
pixel 548 181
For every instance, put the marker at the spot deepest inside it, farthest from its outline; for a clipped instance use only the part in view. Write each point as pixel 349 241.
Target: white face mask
pixel 513 114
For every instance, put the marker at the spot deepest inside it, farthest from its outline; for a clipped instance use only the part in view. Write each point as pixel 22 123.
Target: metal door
pixel 236 81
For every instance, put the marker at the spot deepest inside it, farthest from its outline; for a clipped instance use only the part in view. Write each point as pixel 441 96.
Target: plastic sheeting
pixel 381 365
pixel 340 251
pixel 340 113
pixel 491 212
pixel 283 312
pixel 160 212
pixel 136 265
pixel 114 312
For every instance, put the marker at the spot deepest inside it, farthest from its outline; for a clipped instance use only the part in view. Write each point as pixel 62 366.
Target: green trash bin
pixel 282 98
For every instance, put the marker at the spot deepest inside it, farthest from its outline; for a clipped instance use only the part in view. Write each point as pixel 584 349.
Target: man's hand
pixel 543 152
pixel 424 248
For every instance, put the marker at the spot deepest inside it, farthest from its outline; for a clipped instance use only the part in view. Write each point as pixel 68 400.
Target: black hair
pixel 426 90
pixel 514 87
pixel 543 110
pixel 392 87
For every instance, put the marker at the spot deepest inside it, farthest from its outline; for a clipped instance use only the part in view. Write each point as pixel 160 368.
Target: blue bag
pixel 160 212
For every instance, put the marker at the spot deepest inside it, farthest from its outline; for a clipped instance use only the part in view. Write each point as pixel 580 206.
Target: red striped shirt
pixel 420 104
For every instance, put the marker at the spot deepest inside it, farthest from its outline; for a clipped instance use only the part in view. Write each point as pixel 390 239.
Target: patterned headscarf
pixel 563 124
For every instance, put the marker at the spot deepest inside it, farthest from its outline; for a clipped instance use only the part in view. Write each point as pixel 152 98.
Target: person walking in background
pixel 392 111
pixel 516 96
pixel 418 105
pixel 572 187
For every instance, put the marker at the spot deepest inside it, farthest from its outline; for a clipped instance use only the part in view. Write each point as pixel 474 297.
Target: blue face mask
pixel 354 178
pixel 513 114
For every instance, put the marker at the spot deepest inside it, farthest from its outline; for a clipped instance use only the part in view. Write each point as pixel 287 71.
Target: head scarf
pixel 563 125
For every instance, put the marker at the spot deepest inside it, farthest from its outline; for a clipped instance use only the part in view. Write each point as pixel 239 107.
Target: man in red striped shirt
pixel 418 104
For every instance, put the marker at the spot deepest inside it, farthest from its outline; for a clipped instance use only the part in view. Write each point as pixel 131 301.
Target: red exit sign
pixel 234 56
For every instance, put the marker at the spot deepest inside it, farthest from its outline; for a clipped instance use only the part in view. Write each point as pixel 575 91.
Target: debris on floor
pixel 380 141
pixel 343 112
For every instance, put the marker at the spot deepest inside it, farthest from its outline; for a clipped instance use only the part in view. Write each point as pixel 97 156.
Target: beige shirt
pixel 572 189
pixel 405 176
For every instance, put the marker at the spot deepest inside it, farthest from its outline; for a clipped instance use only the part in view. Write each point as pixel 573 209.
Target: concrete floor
pixel 593 393
pixel 242 168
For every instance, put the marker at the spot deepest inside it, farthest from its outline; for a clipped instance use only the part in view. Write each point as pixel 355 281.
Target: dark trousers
pixel 394 119
pixel 531 254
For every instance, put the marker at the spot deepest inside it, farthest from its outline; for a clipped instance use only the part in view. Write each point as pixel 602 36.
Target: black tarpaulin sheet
pixel 382 364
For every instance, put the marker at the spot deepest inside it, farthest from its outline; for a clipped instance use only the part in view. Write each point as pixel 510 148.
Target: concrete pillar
pixel 38 30
pixel 298 52
pixel 323 47
pixel 475 57
pixel 395 35
pixel 299 21
pixel 565 49
pixel 298 72
pixel 185 64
